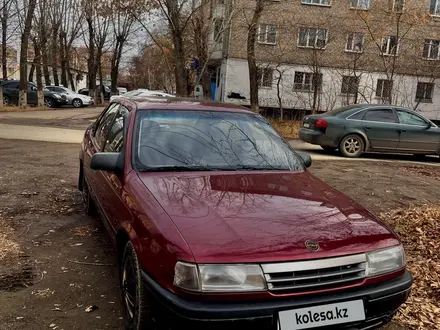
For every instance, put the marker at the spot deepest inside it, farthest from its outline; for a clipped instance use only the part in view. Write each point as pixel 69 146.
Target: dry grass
pixel 419 228
pixel 18 109
pixel 8 248
pixel 287 128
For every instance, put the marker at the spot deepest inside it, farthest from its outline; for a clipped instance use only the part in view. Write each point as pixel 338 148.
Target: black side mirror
pixel 307 159
pixel 107 161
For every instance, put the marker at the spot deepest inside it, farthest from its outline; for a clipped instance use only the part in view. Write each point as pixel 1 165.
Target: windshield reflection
pixel 168 140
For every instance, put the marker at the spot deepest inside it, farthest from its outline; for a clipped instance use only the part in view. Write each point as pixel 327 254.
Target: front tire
pixel 89 204
pixel 77 103
pixel 137 313
pixel 352 146
pixel 49 103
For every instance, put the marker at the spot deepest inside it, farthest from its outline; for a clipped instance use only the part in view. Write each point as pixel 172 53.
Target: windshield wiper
pixel 178 168
pixel 259 168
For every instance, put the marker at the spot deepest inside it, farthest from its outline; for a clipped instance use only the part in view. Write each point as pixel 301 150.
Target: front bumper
pixel 381 301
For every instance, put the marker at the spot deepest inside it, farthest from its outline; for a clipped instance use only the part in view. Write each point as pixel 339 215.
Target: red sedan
pixel 217 222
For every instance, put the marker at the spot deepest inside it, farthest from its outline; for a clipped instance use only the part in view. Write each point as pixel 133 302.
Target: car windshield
pixel 169 140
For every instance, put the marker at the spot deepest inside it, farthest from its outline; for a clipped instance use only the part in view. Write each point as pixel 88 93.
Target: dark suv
pixel 11 90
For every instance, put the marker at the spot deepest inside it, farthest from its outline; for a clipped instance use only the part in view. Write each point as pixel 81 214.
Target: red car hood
pixel 265 216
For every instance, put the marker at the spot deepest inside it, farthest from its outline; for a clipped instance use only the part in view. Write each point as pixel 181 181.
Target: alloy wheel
pixel 48 103
pixel 352 146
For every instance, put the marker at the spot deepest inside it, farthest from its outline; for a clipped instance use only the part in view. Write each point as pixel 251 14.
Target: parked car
pixel 107 91
pixel 360 128
pixel 141 93
pixel 73 98
pixel 217 221
pixel 122 90
pixel 11 90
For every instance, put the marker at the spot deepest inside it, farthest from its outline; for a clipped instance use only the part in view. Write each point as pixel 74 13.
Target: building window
pixel 307 81
pixel 397 5
pixel 316 2
pixel 424 92
pixel 355 42
pixel 350 85
pixel 390 45
pixel 361 4
pixel 383 88
pixel 265 77
pixel 312 38
pixel 434 8
pixel 431 49
pixel 267 34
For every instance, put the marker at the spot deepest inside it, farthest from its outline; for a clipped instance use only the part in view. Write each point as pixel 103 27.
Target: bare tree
pixel 70 28
pixel 28 12
pixel 122 21
pixel 252 62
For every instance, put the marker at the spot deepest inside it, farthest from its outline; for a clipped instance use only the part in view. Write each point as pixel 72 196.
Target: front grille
pixel 313 275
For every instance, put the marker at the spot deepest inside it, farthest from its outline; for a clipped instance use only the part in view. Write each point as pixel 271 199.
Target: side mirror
pixel 307 159
pixel 107 161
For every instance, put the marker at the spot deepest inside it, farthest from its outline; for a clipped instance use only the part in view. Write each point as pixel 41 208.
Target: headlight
pixel 219 278
pixel 385 261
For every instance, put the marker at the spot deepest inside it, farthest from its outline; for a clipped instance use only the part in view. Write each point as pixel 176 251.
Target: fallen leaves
pixel 432 172
pixel 8 248
pixel 419 228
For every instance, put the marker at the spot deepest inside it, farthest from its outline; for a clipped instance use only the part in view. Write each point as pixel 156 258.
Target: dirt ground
pixel 70 123
pixel 59 261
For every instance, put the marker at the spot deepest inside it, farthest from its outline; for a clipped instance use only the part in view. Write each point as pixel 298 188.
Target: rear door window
pixel 104 124
pixel 115 138
pixel 357 116
pixel 380 115
pixel 407 118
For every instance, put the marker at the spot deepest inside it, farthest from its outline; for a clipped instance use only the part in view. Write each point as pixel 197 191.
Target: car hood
pixel 265 216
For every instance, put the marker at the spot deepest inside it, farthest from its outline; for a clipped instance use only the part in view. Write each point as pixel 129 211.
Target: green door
pixel 382 129
pixel 417 135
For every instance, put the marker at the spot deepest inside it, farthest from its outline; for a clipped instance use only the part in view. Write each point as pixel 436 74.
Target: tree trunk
pixel 24 51
pixel 31 73
pixel 4 41
pixel 180 71
pixel 252 63
pixel 280 101
pixel 116 59
pixel 44 56
pixel 91 61
pixel 101 85
pixel 63 59
pixel 39 75
pixel 54 52
pixel 71 80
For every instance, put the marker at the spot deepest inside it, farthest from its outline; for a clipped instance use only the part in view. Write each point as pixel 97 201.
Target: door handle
pixel 402 130
pixel 367 127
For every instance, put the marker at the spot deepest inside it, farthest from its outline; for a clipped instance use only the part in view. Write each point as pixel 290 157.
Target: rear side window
pixel 408 118
pixel 358 115
pixel 115 138
pixel 104 125
pixel 380 115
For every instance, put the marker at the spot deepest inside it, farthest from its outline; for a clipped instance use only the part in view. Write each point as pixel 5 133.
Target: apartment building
pixel 321 54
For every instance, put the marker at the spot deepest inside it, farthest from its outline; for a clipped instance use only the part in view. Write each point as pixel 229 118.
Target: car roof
pixel 177 103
